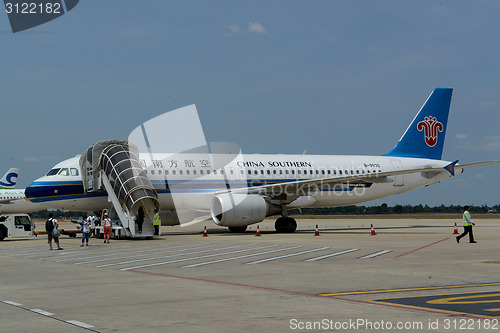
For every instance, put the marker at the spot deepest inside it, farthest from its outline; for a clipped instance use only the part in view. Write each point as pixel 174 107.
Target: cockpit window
pixel 53 172
pixel 64 172
pixel 74 172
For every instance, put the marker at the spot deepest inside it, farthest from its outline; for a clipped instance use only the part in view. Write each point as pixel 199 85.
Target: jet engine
pixel 240 210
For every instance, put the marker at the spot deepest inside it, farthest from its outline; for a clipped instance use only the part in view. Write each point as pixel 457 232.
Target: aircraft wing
pixel 471 165
pixel 295 189
pixel 289 191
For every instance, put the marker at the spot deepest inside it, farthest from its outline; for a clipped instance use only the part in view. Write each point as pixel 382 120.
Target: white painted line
pixel 42 312
pixel 156 252
pixel 287 256
pixel 200 257
pixel 79 323
pixel 376 254
pixel 175 255
pixel 12 303
pixel 240 257
pixel 332 255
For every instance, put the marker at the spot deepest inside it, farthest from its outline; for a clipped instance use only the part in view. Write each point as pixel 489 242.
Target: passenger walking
pixel 86 230
pixel 107 228
pixel 467 223
pixel 51 226
pixel 156 222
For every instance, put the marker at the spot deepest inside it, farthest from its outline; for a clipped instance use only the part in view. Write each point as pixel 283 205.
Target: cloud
pixel 233 30
pixel 461 136
pixel 487 104
pixel 31 159
pixel 256 27
pixel 489 143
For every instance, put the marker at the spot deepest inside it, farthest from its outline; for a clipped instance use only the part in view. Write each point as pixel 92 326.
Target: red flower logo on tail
pixel 430 126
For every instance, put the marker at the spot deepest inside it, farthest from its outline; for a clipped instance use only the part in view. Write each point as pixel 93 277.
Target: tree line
pixel 397 209
pixel 346 210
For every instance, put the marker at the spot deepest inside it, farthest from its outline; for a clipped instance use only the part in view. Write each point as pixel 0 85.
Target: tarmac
pixel 411 276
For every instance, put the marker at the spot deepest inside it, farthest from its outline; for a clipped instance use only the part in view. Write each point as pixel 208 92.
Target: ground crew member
pixel 467 223
pixel 156 222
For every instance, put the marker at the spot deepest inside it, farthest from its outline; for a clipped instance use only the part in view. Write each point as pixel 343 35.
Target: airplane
pixel 9 180
pixel 14 200
pixel 266 185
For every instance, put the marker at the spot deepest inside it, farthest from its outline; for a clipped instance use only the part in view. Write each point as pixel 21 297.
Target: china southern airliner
pixel 248 189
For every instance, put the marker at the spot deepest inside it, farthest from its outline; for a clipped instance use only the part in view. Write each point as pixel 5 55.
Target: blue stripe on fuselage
pixel 40 191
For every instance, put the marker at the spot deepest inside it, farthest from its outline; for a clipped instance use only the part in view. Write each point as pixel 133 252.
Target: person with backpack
pixel 51 226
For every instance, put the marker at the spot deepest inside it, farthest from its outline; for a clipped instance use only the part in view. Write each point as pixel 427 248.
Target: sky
pixel 275 76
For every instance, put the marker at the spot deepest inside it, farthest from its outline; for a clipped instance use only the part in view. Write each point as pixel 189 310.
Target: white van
pixel 16 225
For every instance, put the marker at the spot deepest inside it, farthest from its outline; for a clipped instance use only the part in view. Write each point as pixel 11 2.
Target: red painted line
pixel 423 247
pixel 227 283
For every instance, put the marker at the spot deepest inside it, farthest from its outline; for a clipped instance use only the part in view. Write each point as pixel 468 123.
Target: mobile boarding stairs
pixel 113 166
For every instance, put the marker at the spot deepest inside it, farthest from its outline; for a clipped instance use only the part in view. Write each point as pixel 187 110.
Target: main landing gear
pixel 285 225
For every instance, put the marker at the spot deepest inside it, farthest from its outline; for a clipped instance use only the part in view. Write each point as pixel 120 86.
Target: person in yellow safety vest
pixel 156 222
pixel 467 223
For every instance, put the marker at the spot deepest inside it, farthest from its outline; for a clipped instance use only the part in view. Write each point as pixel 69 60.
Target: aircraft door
pixel 399 179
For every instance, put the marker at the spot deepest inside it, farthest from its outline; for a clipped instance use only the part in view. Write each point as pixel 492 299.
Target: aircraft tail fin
pixel 424 138
pixel 9 180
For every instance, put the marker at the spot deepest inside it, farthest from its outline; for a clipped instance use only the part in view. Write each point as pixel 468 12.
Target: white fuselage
pixel 195 178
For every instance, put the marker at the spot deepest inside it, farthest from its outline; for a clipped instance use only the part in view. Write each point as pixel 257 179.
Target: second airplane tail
pixel 9 180
pixel 424 138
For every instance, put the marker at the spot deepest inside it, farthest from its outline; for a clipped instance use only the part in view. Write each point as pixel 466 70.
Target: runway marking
pixel 42 312
pixel 331 255
pixel 286 256
pixel 52 316
pixel 177 255
pixel 470 303
pixel 304 293
pixel 423 247
pixel 77 254
pixel 376 254
pixel 194 258
pixel 382 291
pixel 240 257
pixel 79 323
pixel 156 251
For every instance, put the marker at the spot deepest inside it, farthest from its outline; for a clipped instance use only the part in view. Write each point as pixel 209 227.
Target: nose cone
pixel 35 191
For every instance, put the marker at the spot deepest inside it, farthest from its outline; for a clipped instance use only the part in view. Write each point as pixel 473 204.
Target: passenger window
pixel 152 172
